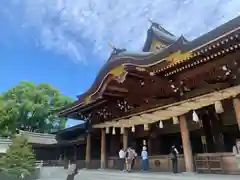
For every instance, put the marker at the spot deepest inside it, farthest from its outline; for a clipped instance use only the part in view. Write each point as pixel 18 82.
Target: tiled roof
pixel 39 138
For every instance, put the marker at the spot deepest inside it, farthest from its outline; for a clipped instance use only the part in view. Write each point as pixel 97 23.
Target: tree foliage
pixel 31 107
pixel 19 159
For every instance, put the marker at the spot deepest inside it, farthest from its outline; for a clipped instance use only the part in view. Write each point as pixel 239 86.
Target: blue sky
pixel 65 43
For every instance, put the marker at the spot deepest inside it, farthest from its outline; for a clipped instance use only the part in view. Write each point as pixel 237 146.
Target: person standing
pixel 236 152
pixel 122 156
pixel 72 170
pixel 144 155
pixel 173 156
pixel 134 157
pixel 129 159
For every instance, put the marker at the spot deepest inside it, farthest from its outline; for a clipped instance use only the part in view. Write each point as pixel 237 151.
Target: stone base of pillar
pixel 103 165
pixel 65 165
pixel 101 169
pixel 87 165
pixel 189 173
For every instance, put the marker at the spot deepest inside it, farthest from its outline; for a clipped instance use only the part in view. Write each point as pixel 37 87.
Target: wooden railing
pixel 94 164
pixel 210 163
pixel 223 163
pixel 50 163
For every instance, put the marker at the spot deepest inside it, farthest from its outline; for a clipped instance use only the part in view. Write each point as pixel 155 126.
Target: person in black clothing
pixel 72 169
pixel 173 156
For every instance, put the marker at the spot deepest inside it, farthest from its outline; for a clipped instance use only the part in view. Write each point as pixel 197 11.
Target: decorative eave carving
pixel 173 110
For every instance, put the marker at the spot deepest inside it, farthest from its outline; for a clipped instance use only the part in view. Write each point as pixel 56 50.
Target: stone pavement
pixel 61 174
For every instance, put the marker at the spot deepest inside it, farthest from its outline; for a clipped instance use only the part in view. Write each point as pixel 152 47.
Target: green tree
pixel 18 160
pixel 31 107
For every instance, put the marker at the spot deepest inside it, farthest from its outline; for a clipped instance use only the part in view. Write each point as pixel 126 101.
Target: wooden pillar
pixel 236 105
pixel 88 151
pixel 187 148
pixel 103 149
pixel 125 139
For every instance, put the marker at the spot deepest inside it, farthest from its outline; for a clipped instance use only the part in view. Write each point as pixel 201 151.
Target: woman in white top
pixel 144 155
pixel 122 156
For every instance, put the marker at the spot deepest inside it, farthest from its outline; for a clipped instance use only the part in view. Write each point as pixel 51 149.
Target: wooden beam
pixel 101 101
pixel 136 75
pixel 113 94
pixel 118 89
pixel 150 117
pixel 137 119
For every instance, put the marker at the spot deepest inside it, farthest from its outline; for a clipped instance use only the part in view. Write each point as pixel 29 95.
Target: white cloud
pixel 77 28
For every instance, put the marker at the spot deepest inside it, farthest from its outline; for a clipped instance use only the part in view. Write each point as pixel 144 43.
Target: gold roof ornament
pixel 111 45
pixel 87 100
pixel 178 56
pixel 117 71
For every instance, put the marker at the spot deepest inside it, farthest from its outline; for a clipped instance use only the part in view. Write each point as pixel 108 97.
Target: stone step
pixel 118 175
pixel 53 172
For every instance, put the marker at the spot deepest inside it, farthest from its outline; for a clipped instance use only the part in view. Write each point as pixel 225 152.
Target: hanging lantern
pixel 195 116
pixel 122 130
pixel 160 124
pixel 133 128
pixel 218 107
pixel 113 131
pixel 145 127
pixel 107 130
pixel 175 120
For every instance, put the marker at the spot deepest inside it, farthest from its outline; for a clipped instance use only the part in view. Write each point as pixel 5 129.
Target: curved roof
pixel 119 61
pixel 142 59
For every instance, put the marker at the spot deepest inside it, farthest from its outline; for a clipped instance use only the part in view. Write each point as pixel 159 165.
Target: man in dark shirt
pixel 173 156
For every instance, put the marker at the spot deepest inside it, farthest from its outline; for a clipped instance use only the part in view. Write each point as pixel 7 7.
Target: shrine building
pixel 173 92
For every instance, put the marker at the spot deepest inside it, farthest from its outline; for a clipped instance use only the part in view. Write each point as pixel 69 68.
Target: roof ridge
pixel 160 27
pixel 36 134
